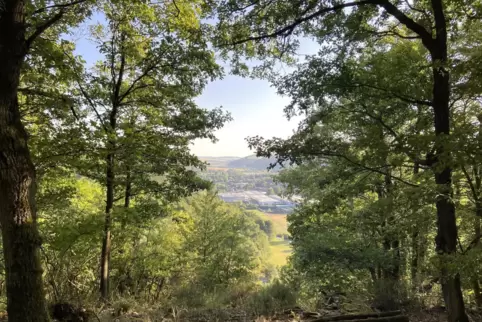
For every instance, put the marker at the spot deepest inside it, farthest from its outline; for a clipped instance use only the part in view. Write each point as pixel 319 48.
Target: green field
pixel 280 249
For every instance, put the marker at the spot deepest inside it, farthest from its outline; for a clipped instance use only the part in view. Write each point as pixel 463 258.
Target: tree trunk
pixel 475 279
pixel 415 245
pixel 21 240
pixel 414 260
pixel 446 239
pixel 106 242
pixel 128 191
pixel 110 178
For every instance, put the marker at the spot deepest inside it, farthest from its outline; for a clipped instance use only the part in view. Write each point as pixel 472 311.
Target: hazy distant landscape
pixel 247 182
pixel 249 162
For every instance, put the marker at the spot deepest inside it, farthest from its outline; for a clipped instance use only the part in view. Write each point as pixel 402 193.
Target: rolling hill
pixel 252 162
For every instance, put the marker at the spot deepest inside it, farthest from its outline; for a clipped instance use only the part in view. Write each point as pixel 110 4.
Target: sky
pixel 256 110
pixel 254 105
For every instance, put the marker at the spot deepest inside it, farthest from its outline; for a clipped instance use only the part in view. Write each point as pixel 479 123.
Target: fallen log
pixel 356 317
pixel 396 318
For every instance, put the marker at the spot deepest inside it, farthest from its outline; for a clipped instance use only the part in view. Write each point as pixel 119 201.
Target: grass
pixel 280 223
pixel 280 249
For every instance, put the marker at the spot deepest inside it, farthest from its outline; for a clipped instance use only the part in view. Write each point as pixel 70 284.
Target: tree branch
pixel 64 98
pixel 40 29
pixel 287 30
pixel 390 8
pixel 472 244
pixel 59 6
pixel 470 182
pixel 118 83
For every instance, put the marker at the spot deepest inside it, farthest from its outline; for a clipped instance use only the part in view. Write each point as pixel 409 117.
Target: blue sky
pixel 256 110
pixel 254 105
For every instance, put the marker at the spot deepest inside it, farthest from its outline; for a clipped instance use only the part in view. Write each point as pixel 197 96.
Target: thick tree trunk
pixel 446 240
pixel 21 240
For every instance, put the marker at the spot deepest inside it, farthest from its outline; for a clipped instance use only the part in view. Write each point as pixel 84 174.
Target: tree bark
pixel 475 278
pixel 21 240
pixel 106 242
pixel 415 245
pixel 128 191
pixel 414 260
pixel 110 132
pixel 446 239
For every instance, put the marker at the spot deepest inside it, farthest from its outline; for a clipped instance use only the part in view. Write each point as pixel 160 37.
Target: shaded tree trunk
pixel 128 191
pixel 106 242
pixel 415 245
pixel 110 181
pixel 21 240
pixel 446 239
pixel 475 279
pixel 414 260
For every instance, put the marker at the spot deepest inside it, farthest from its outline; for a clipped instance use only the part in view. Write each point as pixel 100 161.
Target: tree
pixel 266 30
pixel 26 22
pixel 227 246
pixel 141 109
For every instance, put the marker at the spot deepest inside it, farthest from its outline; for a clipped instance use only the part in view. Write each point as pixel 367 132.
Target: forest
pixel 105 216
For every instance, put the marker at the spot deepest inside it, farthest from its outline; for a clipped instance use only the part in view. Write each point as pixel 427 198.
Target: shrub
pixel 271 299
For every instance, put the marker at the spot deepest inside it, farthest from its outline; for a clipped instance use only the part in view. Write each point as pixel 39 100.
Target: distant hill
pixel 252 162
pixel 219 162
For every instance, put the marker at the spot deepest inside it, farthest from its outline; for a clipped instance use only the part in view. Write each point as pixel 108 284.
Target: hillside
pixel 252 162
pixel 219 162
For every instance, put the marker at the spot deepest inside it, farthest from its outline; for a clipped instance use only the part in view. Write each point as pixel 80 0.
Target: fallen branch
pixel 364 317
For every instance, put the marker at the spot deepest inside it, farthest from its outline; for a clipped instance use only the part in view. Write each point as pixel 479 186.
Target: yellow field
pixel 280 250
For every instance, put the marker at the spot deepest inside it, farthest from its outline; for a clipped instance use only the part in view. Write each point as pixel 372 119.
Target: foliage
pixel 391 135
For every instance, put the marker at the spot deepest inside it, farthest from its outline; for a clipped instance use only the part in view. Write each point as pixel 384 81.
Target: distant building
pixel 258 198
pixel 233 197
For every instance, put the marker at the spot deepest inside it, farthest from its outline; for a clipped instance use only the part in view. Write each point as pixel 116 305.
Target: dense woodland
pixel 101 204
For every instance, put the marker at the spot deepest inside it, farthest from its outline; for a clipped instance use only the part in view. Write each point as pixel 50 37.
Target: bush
pixel 388 295
pixel 271 299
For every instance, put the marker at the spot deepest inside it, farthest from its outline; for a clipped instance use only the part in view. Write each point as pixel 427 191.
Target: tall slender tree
pixel 141 108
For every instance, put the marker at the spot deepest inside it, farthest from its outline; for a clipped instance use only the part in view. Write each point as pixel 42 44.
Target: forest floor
pixel 415 316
